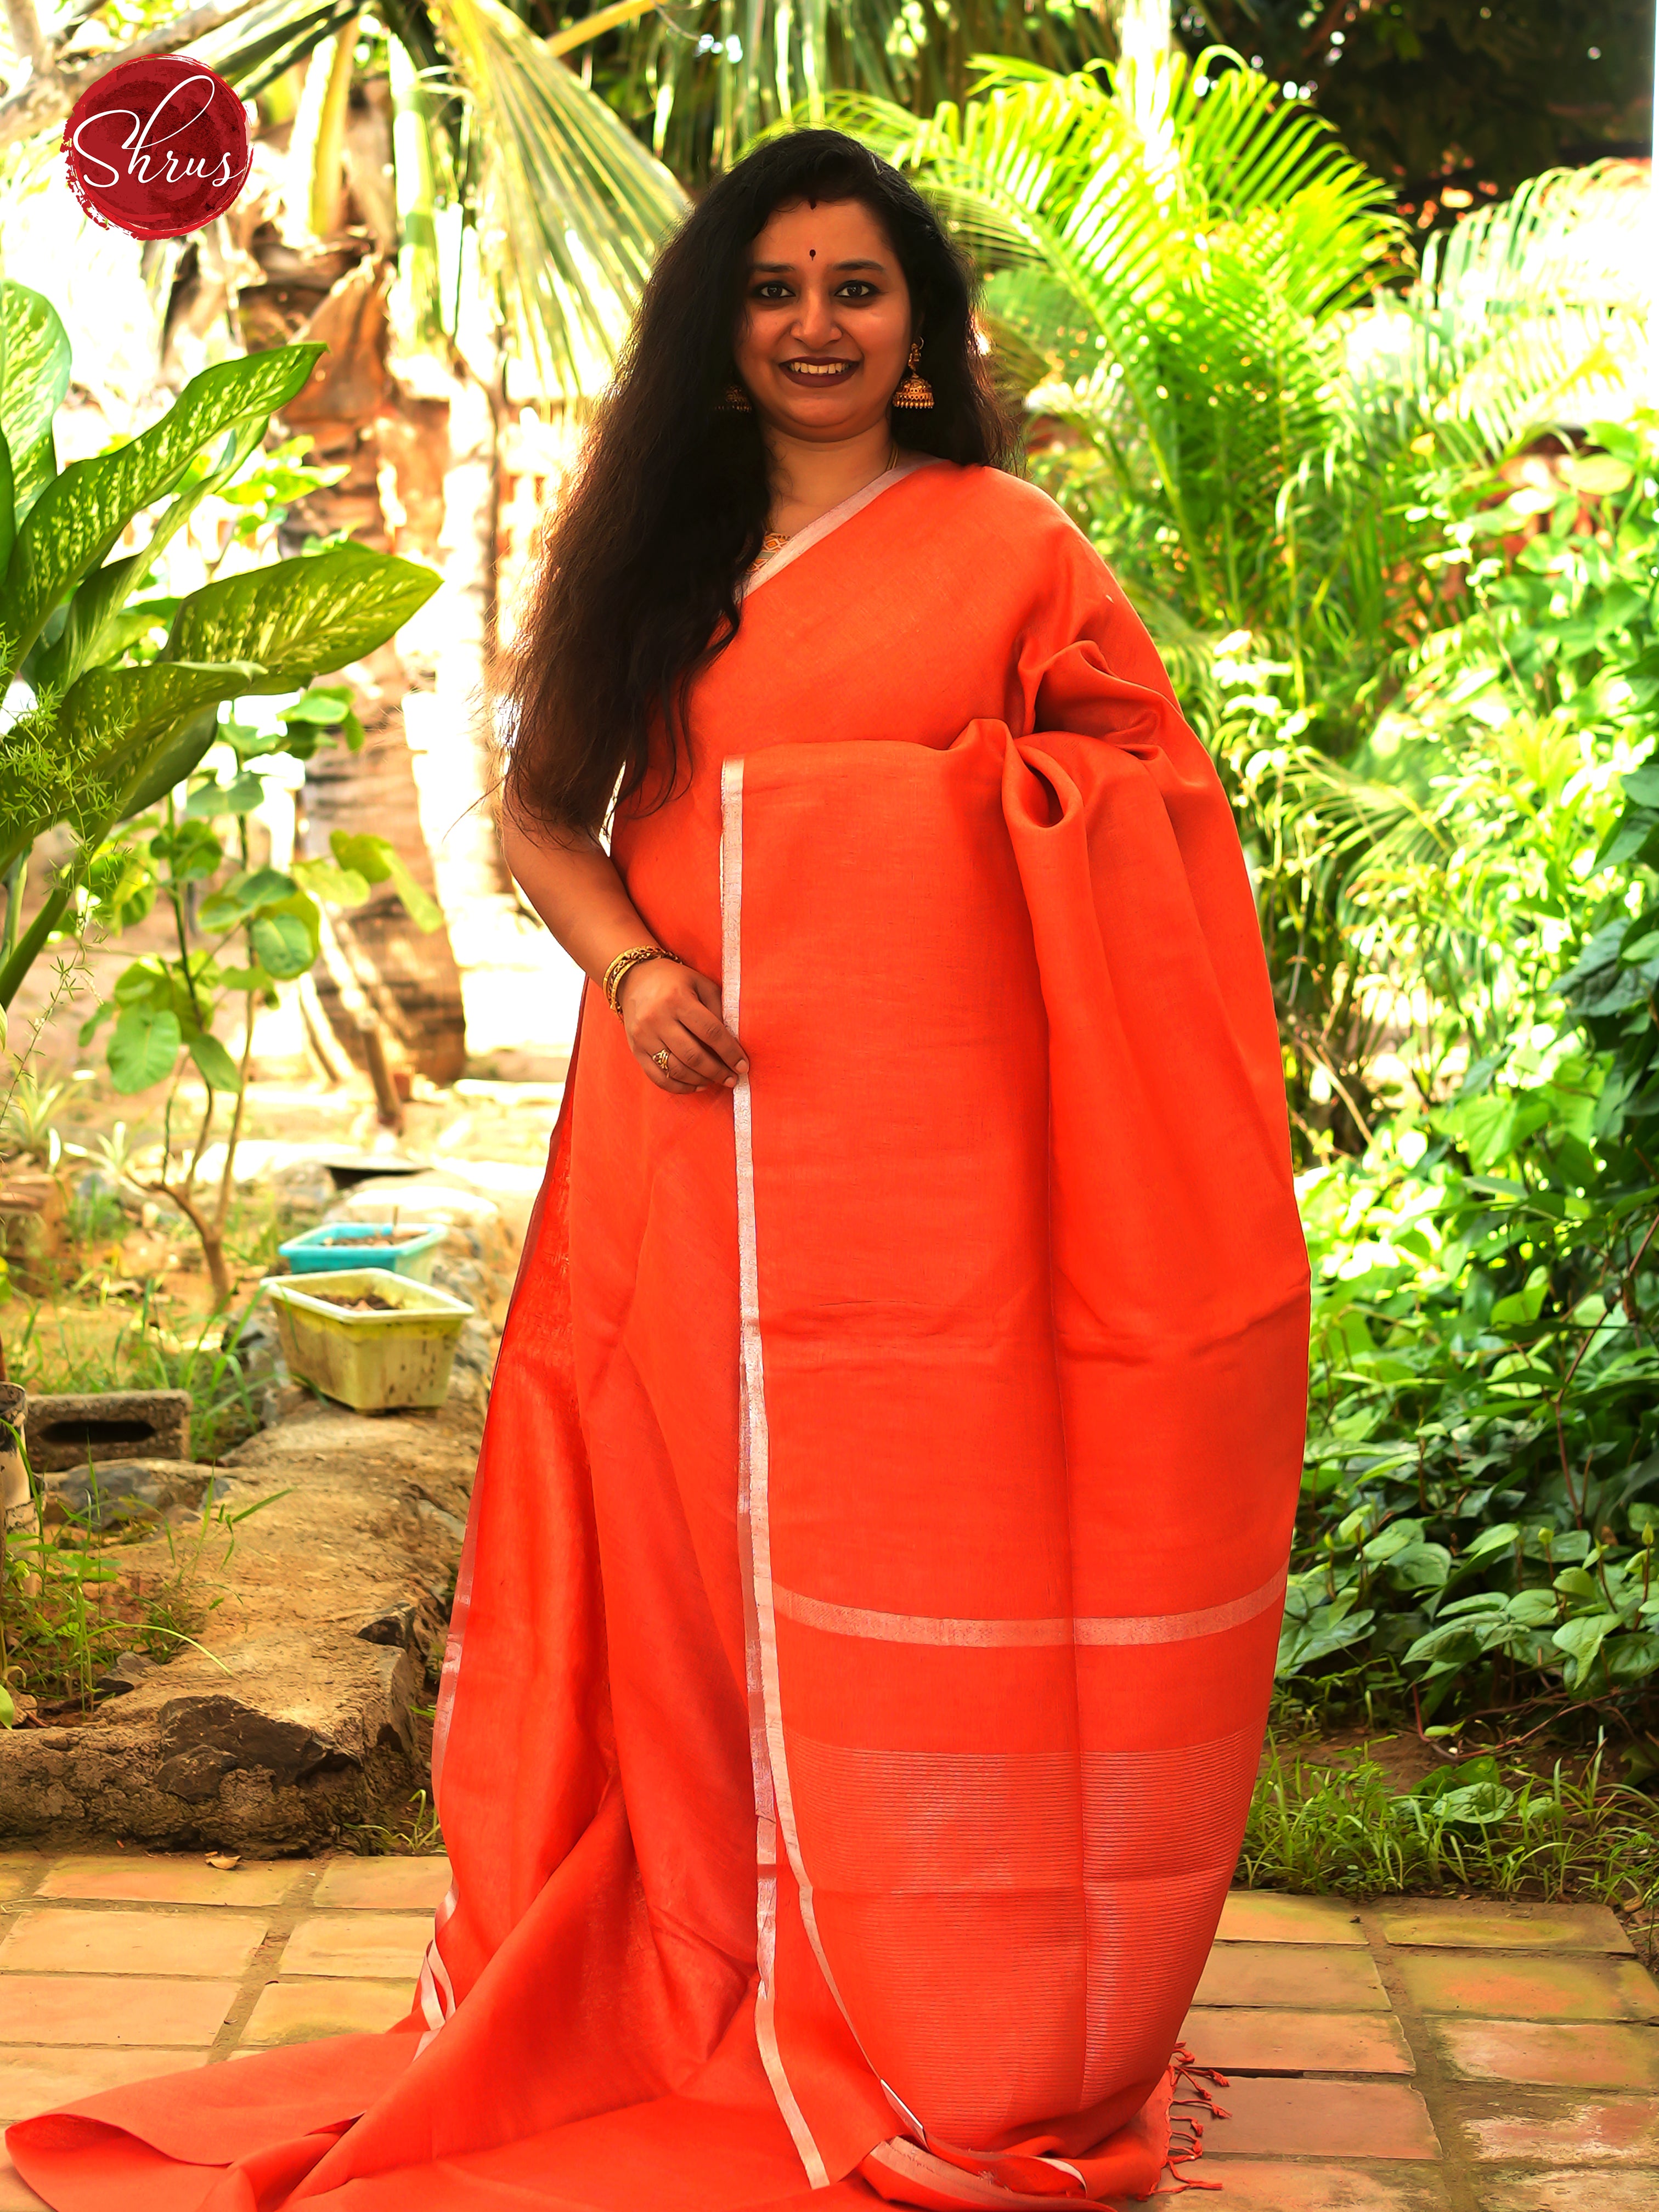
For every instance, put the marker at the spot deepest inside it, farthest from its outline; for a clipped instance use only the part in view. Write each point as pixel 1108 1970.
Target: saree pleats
pixel 863 1638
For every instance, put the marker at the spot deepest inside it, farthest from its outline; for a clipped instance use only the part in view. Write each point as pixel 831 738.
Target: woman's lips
pixel 817 374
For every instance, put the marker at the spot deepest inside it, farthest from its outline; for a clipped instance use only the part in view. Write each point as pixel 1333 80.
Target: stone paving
pixel 1406 2057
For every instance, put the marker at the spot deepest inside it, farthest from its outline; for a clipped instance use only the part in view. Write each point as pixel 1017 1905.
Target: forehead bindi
pixel 837 232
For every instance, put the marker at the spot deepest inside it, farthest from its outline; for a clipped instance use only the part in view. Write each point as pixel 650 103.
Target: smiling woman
pixel 862 1644
pixel 719 432
pixel 825 340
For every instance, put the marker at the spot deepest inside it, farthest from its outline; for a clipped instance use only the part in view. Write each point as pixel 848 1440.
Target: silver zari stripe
pixel 1031 1634
pixel 772 1806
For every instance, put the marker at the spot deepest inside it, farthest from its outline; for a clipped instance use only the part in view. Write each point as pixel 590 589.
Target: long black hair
pixel 638 586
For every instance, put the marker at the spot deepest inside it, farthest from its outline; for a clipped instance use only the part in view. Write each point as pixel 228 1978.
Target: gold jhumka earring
pixel 915 391
pixel 736 401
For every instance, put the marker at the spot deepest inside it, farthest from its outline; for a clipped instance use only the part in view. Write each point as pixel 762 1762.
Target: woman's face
pixel 825 333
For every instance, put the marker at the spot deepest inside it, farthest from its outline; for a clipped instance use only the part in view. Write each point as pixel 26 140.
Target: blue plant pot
pixel 336 1245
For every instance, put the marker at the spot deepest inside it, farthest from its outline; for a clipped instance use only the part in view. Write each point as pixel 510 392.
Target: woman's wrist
pixel 633 957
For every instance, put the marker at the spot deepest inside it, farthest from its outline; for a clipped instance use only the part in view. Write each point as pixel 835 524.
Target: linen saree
pixel 863 1638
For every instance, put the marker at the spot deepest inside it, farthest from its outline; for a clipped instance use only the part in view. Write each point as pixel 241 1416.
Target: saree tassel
pixel 1190 2079
pixel 1179 2157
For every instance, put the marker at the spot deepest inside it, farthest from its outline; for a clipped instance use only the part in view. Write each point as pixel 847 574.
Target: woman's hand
pixel 665 1006
pixel 573 883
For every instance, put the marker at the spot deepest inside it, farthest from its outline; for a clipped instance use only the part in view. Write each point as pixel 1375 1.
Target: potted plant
pixel 408 1248
pixel 375 1340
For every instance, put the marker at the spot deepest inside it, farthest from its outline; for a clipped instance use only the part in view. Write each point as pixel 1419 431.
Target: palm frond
pixel 1374 827
pixel 570 207
pixel 573 206
pixel 1526 316
pixel 1196 236
pixel 259 47
pixel 708 76
pixel 1570 234
pixel 422 168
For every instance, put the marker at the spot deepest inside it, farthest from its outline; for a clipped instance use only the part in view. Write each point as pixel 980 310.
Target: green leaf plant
pixel 114 694
pixel 241 929
pixel 1480 1501
pixel 111 721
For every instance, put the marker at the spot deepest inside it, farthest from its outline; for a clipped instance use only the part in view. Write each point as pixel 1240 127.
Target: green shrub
pixel 1481 1493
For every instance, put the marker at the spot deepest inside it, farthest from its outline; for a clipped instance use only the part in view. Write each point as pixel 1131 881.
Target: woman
pixel 863 1635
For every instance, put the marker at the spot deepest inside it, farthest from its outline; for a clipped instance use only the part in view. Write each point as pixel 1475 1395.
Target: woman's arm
pixel 574 887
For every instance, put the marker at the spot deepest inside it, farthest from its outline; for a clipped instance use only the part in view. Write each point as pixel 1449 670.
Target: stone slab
pixel 19 1872
pixel 1494 1985
pixel 1298 1976
pixel 1250 2039
pixel 1510 2126
pixel 1478 1923
pixel 134 1879
pixel 1261 1916
pixel 384 1885
pixel 301 2012
pixel 83 2009
pixel 359 1945
pixel 36 2078
pixel 67 1939
pixel 1262 2185
pixel 1581 2054
pixel 1322 2119
pixel 1566 2190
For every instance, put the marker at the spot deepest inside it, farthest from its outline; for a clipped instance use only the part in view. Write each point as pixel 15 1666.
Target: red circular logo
pixel 157 147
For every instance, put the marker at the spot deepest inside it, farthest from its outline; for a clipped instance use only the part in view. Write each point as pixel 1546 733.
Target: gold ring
pixel 661 1059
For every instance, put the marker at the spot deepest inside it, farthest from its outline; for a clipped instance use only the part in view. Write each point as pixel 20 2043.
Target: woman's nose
pixel 814 320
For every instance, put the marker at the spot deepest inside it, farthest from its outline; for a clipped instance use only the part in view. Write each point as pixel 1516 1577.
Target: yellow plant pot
pixel 373 1362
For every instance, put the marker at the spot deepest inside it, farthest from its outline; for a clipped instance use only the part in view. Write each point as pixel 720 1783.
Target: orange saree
pixel 864 1634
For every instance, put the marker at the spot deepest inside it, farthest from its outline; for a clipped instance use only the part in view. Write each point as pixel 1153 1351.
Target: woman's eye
pixel 858 288
pixel 772 288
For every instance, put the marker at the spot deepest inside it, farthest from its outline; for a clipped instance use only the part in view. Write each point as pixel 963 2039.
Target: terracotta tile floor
pixel 1405 2058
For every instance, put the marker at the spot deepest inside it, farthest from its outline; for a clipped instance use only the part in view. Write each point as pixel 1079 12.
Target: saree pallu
pixel 864 1634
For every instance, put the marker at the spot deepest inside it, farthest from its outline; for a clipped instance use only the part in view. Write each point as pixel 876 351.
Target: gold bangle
pixel 632 958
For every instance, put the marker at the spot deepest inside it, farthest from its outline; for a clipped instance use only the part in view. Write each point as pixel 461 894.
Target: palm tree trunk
pixel 377 960
pixel 407 979
pixel 453 770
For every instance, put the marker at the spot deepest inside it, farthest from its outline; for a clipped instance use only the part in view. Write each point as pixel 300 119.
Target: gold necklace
pixel 775 540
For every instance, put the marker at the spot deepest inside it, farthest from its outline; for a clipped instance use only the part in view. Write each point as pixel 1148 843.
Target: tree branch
pixel 45 101
pixel 28 41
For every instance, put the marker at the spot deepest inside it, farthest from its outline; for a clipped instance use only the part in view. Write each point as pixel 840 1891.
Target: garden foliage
pixel 241 929
pixel 1482 1494
pixel 1390 519
pixel 123 683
